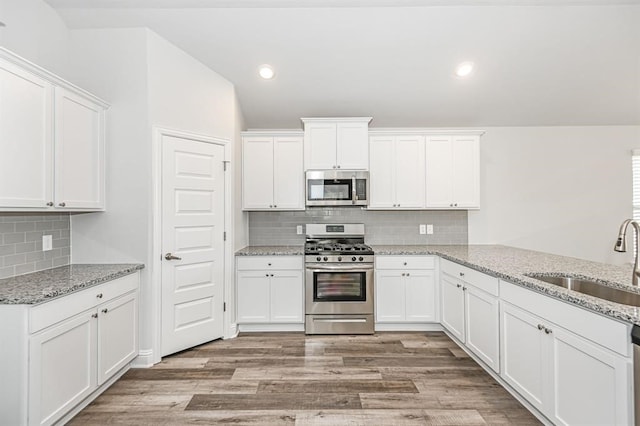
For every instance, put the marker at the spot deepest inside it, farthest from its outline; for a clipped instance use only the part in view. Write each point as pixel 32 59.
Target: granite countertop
pixel 271 251
pixel 511 264
pixel 43 286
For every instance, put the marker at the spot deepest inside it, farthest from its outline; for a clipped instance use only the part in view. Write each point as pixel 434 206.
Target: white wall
pixel 35 32
pixel 563 190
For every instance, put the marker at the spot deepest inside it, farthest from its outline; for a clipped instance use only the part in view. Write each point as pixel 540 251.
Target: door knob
pixel 169 256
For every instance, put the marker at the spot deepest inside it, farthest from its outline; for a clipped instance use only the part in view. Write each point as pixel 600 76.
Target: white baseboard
pixel 144 359
pixel 232 332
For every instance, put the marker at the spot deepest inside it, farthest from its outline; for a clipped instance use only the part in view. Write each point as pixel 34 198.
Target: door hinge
pixel 224 306
pixel 224 236
pixel 224 164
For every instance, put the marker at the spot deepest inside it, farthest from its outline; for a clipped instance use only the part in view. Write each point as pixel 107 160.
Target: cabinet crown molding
pixel 49 76
pixel 268 132
pixel 423 131
pixel 335 119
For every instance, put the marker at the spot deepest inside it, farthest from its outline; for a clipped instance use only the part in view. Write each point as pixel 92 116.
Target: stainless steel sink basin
pixel 591 288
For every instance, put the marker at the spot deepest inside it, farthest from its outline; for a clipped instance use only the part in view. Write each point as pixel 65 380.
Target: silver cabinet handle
pixel 63 204
pixel 50 204
pixel 169 256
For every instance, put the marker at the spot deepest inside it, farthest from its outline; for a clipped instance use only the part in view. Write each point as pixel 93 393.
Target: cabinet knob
pixel 275 206
pixel 268 264
pixel 270 206
pixel 266 275
pixel 94 315
pixel 398 205
pixel 456 204
pixel 540 326
pixel 403 274
pixel 63 204
pixel 462 274
pixel 105 310
pixel 458 285
pixel 50 204
pixel 271 274
pixel 334 167
pixel 99 295
pixel 338 166
pixel 464 288
pixel 407 274
pixel 405 263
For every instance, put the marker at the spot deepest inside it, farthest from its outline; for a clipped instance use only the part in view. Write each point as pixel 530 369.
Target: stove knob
pixel 318 258
pixel 339 259
pixel 325 258
pixel 360 258
pixel 353 258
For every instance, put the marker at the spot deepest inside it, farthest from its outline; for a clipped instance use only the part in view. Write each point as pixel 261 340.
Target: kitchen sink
pixel 592 288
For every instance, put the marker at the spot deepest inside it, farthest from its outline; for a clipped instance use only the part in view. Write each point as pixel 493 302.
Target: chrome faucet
pixel 621 245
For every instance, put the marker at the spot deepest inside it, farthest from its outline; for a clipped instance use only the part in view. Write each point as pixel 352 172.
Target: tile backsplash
pixel 381 227
pixel 21 242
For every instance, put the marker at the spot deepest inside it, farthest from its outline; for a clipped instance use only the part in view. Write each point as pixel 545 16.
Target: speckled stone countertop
pixel 511 264
pixel 271 251
pixel 46 285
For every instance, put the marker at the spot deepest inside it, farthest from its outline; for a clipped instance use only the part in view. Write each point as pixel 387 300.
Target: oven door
pixel 339 289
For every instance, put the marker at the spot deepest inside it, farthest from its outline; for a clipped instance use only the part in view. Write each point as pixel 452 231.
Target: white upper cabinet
pixel 453 172
pixel 397 172
pixel 272 176
pixel 51 141
pixel 336 143
pixel 79 151
pixel 26 138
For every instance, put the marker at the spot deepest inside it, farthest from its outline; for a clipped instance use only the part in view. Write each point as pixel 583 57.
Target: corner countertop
pixel 511 264
pixel 43 286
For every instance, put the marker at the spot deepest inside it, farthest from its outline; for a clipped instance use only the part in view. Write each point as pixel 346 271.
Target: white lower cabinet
pixel 568 377
pixel 71 345
pixel 470 310
pixel 405 289
pixel 270 290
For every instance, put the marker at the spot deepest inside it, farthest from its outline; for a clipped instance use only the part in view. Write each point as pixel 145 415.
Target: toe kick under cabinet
pixel 57 354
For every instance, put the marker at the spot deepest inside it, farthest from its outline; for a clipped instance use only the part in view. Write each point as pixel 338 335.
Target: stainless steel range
pixel 338 280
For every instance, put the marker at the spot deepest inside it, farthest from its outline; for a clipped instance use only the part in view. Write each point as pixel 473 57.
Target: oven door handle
pixel 347 267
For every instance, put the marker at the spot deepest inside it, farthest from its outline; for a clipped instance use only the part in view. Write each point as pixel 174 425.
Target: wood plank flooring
pixel 293 379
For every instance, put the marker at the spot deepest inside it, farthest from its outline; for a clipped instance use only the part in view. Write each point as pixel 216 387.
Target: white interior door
pixel 192 233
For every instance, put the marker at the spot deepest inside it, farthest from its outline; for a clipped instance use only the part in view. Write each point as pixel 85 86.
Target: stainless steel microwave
pixel 337 188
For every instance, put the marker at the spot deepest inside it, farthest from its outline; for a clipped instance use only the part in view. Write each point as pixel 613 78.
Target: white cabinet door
pixel 352 146
pixel 117 335
pixel 79 152
pixel 26 162
pixel 287 297
pixel 482 325
pixel 62 368
pixel 253 296
pixel 257 173
pixel 590 384
pixel 288 175
pixel 439 169
pixel 524 358
pixel 381 172
pixel 466 175
pixel 389 298
pixel 320 146
pixel 420 296
pixel 452 306
pixel 409 172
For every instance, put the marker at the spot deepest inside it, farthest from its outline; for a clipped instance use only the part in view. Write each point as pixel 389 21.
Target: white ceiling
pixel 569 62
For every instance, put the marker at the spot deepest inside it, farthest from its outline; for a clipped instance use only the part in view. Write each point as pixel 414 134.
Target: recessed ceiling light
pixel 464 69
pixel 266 72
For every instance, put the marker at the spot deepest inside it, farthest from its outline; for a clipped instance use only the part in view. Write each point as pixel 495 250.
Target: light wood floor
pixel 293 379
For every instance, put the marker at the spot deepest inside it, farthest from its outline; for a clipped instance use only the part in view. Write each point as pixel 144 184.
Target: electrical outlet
pixel 429 229
pixel 47 242
pixel 423 229
pixel 299 229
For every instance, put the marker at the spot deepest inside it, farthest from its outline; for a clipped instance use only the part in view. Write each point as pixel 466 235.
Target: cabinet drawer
pixel 604 331
pixel 475 278
pixel 49 313
pixel 252 263
pixel 405 262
